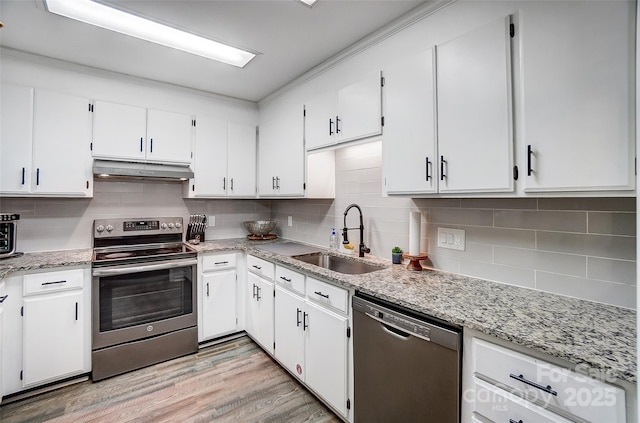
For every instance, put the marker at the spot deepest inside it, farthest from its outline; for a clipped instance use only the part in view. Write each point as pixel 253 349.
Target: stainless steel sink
pixel 338 264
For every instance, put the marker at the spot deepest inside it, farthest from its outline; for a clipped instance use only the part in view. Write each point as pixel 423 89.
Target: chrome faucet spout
pixel 362 248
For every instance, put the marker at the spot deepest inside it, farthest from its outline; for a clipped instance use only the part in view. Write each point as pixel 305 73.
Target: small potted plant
pixel 396 255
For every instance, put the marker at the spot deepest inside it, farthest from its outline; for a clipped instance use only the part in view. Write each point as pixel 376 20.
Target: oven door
pixel 137 301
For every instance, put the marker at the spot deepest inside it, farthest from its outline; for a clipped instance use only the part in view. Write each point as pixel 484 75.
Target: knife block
pixel 193 233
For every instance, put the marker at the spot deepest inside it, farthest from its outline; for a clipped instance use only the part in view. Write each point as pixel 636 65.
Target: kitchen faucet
pixel 345 240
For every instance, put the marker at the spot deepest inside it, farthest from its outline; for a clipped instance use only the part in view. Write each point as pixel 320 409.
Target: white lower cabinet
pixel 3 297
pixel 504 385
pixel 311 339
pixel 218 293
pixel 46 332
pixel 259 306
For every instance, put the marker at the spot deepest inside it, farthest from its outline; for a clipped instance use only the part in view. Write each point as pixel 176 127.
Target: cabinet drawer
pixel 498 405
pixel 325 293
pixel 549 385
pixel 40 283
pixel 260 267
pixel 290 279
pixel 218 261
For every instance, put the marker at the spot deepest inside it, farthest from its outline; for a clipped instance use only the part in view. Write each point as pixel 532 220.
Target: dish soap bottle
pixel 333 240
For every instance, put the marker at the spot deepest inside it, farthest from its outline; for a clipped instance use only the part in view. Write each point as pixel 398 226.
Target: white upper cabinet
pixel 134 133
pixel 578 89
pixel 474 111
pixel 16 144
pixel 45 145
pixel 224 159
pixel 409 141
pixel 351 113
pixel 241 160
pixel 210 158
pixel 281 154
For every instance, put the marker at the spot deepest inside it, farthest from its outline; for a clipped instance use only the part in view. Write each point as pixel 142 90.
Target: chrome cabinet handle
pixel 330 127
pixel 522 379
pixel 258 289
pixel 231 182
pixel 224 184
pixel 426 168
pixel 305 324
pixel 207 289
pixel 23 175
pixel 256 267
pixel 123 270
pixel 151 148
pixel 38 176
pixel 298 311
pixel 4 297
pixel 529 154
pixel 337 124
pixel 513 421
pixel 221 262
pixel 442 162
pixel 285 279
pixel 141 144
pixel 76 310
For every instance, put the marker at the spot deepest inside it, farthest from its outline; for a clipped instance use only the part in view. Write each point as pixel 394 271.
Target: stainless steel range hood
pixel 117 170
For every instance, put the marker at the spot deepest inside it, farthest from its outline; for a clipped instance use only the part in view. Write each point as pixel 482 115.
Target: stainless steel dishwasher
pixel 407 367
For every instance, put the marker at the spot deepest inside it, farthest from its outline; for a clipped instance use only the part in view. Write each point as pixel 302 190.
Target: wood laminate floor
pixel 231 382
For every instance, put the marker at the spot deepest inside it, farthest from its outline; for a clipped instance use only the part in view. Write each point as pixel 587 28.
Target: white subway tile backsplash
pixel 609 246
pixel 612 223
pixel 462 217
pixel 567 264
pixel 498 273
pixel 542 220
pixel 621 271
pixel 595 290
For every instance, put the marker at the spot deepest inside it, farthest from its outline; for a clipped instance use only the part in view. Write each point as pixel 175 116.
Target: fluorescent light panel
pixel 309 3
pixel 125 23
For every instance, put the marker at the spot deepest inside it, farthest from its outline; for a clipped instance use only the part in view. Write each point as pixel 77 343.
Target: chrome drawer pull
pixel 546 389
pixel 221 262
pixel 285 279
pixel 513 421
pixel 256 267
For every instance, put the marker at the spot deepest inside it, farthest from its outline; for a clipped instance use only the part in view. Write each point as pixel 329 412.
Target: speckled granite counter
pixel 599 336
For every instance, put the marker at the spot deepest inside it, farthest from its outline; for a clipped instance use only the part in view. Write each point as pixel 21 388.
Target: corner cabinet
pixel 45 144
pixel 350 113
pixel 311 335
pixel 281 154
pixel 124 132
pixel 224 159
pixel 218 293
pixel 48 324
pixel 578 90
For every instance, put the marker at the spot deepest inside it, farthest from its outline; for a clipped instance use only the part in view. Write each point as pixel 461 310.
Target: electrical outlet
pixel 290 220
pixel 211 220
pixel 452 239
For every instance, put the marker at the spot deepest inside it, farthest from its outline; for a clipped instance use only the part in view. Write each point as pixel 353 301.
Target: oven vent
pixel 120 170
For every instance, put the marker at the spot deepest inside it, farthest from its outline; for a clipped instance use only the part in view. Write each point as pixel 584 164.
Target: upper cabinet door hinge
pixel 382 81
pixel 512 30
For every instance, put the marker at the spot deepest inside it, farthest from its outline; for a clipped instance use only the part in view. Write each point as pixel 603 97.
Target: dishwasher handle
pixel 387 325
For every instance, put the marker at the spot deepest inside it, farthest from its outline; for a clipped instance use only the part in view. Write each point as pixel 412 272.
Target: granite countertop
pixel 598 336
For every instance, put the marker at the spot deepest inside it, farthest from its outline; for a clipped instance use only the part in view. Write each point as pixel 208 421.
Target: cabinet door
pixel 241 160
pixel 169 137
pixel 53 337
pixel 16 139
pixel 210 158
pixel 320 120
pixel 259 318
pixel 2 299
pixel 119 131
pixel 290 318
pixel 219 312
pixel 474 111
pixel 578 78
pixel 326 355
pixel 281 154
pixel 265 302
pixel 360 109
pixel 409 141
pixel 61 145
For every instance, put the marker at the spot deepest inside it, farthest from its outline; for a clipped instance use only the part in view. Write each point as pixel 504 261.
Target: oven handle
pixel 123 270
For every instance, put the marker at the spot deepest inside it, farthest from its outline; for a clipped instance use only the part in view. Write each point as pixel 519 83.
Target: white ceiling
pixel 290 37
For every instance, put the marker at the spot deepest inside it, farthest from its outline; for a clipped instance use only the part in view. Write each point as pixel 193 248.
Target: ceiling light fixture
pixel 309 3
pixel 116 20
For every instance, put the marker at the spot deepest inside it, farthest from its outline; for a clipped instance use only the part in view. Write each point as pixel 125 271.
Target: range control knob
pixel 163 226
pixel 178 225
pixel 99 228
pixel 171 225
pixel 109 228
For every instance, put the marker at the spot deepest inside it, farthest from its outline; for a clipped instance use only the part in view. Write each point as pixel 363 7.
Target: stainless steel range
pixel 143 294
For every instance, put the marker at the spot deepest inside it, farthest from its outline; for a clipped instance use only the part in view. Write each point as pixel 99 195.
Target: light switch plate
pixel 452 239
pixel 211 220
pixel 290 220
